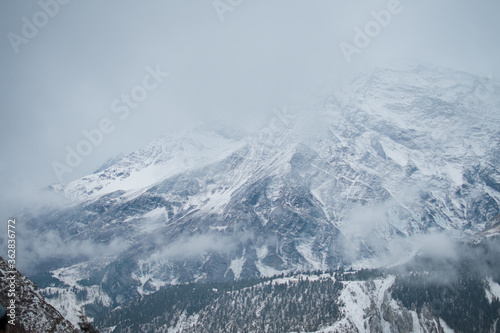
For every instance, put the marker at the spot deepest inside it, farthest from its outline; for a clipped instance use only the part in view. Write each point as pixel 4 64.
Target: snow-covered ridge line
pixel 363 177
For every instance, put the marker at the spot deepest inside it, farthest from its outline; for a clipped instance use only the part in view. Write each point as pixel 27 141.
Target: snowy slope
pixel 396 153
pixel 161 159
pixel 409 301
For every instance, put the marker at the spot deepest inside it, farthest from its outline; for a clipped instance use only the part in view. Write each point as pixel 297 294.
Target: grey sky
pixel 264 53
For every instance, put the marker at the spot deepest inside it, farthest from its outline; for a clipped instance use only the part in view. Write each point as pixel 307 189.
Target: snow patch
pixel 305 249
pixel 455 174
pixel 237 266
pixel 262 252
pixel 266 270
pixel 395 151
pixel 493 290
pixel 218 228
pixel 446 328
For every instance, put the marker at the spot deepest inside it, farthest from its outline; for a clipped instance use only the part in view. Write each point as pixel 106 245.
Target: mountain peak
pixel 345 182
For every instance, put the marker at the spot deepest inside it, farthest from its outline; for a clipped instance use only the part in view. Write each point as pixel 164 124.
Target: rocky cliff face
pixel 32 312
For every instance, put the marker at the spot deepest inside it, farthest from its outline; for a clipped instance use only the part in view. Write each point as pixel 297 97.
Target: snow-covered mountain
pixel 349 180
pixel 453 292
pixel 427 295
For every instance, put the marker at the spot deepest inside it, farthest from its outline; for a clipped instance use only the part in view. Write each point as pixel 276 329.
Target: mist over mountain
pixel 400 162
pixel 250 166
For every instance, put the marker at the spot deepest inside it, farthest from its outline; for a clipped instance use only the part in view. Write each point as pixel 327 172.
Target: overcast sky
pixel 64 77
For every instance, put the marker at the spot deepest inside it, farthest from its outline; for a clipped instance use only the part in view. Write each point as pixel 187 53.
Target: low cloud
pixel 197 245
pixel 436 245
pixel 28 198
pixel 34 250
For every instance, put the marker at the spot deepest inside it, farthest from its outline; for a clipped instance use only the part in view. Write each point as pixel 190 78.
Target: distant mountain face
pixel 427 294
pixel 346 302
pixel 454 292
pixel 394 154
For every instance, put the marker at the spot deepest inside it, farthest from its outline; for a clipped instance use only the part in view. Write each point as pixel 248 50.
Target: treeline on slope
pixel 165 306
pixel 451 292
pixel 453 289
pixel 301 306
pixel 255 305
pixel 460 302
pixel 450 288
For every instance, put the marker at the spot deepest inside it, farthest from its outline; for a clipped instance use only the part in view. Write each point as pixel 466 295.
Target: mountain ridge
pixel 346 182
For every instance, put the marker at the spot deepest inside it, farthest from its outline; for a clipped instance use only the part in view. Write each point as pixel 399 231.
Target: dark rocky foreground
pixel 32 313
